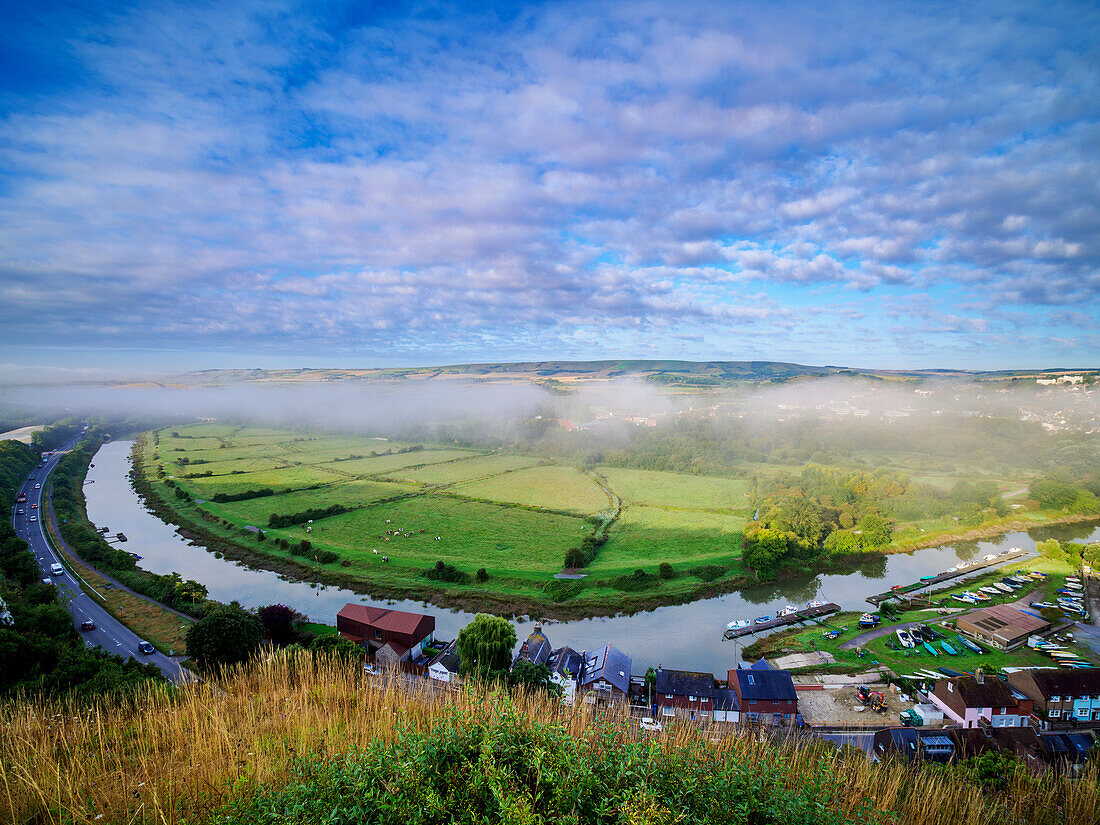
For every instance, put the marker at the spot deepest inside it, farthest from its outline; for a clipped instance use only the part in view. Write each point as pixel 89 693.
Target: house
pixel 765 695
pixel 444 665
pixel 726 708
pixel 1066 752
pixel 1062 695
pixel 685 693
pixel 606 675
pixel 1001 626
pixel 393 636
pixel 565 666
pixel 968 700
pixel 536 648
pixel 914 743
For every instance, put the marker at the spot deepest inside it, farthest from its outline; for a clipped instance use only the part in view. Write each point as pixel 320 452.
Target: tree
pixel 227 635
pixel 482 574
pixel 665 571
pixel 874 530
pixel 486 644
pixel 764 551
pixel 278 620
pixel 527 674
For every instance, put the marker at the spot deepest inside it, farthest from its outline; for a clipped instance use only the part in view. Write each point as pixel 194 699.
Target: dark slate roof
pixel 725 700
pixel 448 657
pixel 610 664
pixel 685 683
pixel 1067 682
pixel 566 660
pixel 766 685
pixel 1071 747
pixel 990 693
pixel 536 648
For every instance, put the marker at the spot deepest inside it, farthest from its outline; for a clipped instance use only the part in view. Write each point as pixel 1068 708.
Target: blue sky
pixel 327 184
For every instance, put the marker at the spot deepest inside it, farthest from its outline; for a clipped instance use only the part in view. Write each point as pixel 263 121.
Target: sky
pixel 295 184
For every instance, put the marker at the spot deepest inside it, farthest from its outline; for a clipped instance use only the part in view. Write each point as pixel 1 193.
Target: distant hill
pixel 658 372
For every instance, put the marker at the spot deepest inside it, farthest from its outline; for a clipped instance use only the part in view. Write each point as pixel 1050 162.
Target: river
pixel 686 637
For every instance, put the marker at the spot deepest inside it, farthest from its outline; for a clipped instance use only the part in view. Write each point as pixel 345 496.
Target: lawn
pixel 380 464
pixel 677 490
pixel 556 488
pixel 288 478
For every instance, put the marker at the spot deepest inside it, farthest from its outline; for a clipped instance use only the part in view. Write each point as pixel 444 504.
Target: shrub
pixel 446 573
pixel 482 574
pixel 638 580
pixel 327 557
pixel 708 572
pixel 665 571
pixel 574 557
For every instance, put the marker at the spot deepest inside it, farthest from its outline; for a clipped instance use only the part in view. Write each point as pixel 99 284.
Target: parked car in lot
pixel 146 648
pixel 87 624
pixel 651 726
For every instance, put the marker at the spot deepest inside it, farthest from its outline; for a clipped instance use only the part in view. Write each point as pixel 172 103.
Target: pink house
pixel 967 700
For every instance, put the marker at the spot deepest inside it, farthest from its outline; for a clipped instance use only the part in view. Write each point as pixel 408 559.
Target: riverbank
pixel 220 532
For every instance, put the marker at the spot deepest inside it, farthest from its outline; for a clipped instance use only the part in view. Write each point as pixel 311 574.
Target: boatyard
pixel 962 569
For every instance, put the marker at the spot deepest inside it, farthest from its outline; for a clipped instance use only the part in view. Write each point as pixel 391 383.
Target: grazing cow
pixel 375 552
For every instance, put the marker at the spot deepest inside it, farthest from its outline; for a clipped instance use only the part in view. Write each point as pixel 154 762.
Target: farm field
pixel 464 469
pixel 677 490
pixel 646 536
pixel 555 488
pixel 508 530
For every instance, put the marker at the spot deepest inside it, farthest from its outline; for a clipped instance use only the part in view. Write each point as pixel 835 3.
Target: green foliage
pixel 562 590
pixel 522 773
pixel 443 572
pixel 290 519
pixel 531 676
pixel 765 550
pixel 633 582
pixel 665 571
pixel 222 498
pixel 874 530
pixel 707 572
pixel 485 644
pixel 991 770
pixel 482 575
pixel 227 635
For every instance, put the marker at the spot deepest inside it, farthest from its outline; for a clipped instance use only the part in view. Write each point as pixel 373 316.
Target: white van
pixel 57 570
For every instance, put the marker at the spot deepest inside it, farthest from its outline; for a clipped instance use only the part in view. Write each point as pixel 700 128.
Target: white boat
pixel 738 624
pixel 787 611
pixel 905 639
pixel 981 597
pixel 1004 588
pixel 816 604
pixel 992 591
pixel 990 557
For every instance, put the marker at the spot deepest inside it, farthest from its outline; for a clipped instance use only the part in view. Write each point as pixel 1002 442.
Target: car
pixel 34 506
pixel 34 518
pixel 57 570
pixel 87 624
pixel 370 670
pixel 38 486
pixel 146 648
pixel 47 580
pixel 651 726
pixel 20 511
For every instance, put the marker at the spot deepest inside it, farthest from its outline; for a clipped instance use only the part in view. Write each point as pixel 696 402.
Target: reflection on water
pixel 682 636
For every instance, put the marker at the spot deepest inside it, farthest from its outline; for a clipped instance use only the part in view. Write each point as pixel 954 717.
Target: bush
pixel 446 573
pixel 327 557
pixel 290 519
pixel 638 580
pixel 482 574
pixel 708 572
pixel 574 557
pixel 665 571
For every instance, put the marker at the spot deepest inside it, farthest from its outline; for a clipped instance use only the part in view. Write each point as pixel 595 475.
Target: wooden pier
pixel 802 615
pixel 970 570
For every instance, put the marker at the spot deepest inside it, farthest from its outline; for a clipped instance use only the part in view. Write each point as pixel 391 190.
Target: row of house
pixel 1063 751
pixel 1050 697
pixel 752 693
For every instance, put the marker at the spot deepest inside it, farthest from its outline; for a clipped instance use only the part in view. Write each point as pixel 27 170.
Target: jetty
pixel 802 615
pixel 932 581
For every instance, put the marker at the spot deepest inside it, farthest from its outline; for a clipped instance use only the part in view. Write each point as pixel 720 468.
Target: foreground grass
pixel 294 740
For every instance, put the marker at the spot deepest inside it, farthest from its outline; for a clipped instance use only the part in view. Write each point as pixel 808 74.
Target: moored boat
pixel 950 651
pixel 931 649
pixel 738 624
pixel 762 619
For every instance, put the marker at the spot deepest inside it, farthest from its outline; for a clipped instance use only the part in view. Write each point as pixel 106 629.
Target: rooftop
pixel 685 683
pixel 767 685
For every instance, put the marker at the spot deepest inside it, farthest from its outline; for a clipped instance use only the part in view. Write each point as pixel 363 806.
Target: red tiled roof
pixel 395 621
pixel 362 613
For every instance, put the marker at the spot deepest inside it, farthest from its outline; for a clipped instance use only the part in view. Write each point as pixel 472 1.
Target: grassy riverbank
pixel 293 740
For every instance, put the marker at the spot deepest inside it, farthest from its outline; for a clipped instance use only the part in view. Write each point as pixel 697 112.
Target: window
pixel 691 698
pixel 1056 698
pixel 668 695
pixel 667 711
pixel 1055 714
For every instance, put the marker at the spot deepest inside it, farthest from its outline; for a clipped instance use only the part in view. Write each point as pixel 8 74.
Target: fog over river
pixel 687 637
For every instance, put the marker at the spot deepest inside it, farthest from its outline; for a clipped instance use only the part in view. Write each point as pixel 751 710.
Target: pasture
pixel 514 515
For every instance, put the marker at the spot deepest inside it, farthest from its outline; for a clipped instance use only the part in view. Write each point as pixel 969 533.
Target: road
pixel 109 634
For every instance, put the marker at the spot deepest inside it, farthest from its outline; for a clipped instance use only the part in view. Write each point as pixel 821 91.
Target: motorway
pixel 110 634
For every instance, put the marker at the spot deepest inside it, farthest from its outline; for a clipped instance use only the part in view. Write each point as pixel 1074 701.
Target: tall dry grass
pixel 173 756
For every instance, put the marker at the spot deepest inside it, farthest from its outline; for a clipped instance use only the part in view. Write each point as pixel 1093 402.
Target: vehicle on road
pixel 87 624
pixel 47 580
pixel 146 648
pixel 651 726
pixel 34 518
pixel 38 486
pixel 34 506
pixel 20 511
pixel 57 570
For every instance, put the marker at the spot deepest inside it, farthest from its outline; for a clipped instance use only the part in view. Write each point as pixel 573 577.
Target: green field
pixel 515 515
pixel 555 488
pixel 677 490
